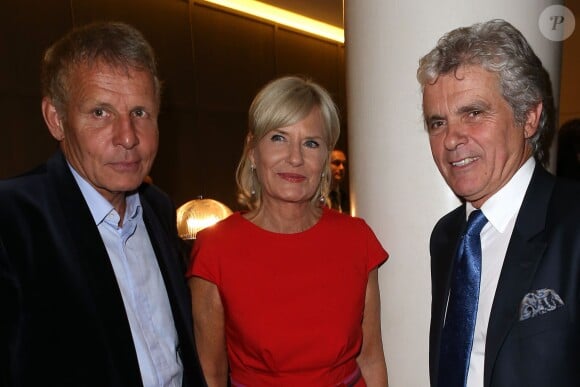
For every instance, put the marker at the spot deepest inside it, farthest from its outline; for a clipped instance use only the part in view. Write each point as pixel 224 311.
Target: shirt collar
pixel 506 202
pixel 101 207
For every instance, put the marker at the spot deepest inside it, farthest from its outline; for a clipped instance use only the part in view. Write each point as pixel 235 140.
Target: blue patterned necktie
pixel 457 337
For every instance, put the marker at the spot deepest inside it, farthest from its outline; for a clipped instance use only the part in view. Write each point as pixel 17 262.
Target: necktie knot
pixel 475 222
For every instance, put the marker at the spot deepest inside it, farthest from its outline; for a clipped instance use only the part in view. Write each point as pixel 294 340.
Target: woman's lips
pixel 292 177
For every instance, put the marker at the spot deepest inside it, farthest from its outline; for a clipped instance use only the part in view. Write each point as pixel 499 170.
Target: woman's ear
pixel 52 119
pixel 533 120
pixel 249 139
pixel 251 158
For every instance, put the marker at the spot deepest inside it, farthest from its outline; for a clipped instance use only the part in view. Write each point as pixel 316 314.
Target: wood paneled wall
pixel 212 63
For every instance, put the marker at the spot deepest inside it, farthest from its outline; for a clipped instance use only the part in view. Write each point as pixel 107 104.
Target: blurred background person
pixel 338 195
pixel 273 298
pixel 569 150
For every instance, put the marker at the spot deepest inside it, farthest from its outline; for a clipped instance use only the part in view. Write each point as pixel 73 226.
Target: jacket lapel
pixel 525 249
pixel 443 251
pixel 86 247
pixel 167 256
pixel 162 231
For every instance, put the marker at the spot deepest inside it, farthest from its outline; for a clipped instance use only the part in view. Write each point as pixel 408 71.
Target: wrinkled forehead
pixel 84 68
pixel 466 80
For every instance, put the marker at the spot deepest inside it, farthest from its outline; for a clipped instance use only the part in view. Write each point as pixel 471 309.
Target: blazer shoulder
pixel 445 233
pixel 449 222
pixel 564 204
pixel 558 196
pixel 29 180
pixel 155 196
pixel 566 193
pixel 157 202
pixel 30 190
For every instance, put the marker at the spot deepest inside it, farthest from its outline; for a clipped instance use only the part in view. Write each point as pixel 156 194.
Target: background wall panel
pixel 211 62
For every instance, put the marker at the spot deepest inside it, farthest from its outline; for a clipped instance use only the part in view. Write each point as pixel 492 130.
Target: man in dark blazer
pixel 488 112
pixel 91 279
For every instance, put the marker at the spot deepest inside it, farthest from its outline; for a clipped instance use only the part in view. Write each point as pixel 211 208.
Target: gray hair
pixel 116 44
pixel 284 102
pixel 498 47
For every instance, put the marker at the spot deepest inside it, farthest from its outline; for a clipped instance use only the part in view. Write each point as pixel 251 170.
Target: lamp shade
pixel 197 214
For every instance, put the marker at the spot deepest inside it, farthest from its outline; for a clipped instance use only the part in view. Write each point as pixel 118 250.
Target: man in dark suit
pixel 488 112
pixel 91 281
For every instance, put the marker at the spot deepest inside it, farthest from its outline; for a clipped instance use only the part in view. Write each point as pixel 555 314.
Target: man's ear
pixel 533 120
pixel 52 119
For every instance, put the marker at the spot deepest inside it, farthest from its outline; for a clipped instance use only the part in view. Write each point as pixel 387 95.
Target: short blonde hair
pixel 284 102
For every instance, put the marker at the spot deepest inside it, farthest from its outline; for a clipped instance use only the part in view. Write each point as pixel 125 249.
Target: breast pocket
pixel 557 319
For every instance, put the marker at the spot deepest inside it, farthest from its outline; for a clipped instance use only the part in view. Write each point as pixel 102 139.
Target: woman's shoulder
pixel 344 220
pixel 224 228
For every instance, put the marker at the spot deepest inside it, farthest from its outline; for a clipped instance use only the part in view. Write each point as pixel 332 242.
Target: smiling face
pixel 474 139
pixel 289 161
pixel 108 128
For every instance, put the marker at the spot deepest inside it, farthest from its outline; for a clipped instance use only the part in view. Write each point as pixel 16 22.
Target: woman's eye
pixel 312 144
pixel 277 137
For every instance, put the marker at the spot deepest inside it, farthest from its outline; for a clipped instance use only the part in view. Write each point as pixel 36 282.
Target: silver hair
pixel 498 47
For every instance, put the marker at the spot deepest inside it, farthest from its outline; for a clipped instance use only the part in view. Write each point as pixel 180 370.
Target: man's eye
pixel 99 112
pixel 475 113
pixel 436 124
pixel 139 113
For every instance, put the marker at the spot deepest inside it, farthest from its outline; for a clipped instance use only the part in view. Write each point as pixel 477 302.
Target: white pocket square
pixel 539 302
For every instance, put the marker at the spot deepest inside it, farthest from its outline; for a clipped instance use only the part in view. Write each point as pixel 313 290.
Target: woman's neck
pixel 285 218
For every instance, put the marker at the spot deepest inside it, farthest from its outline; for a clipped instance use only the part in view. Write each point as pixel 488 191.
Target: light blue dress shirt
pixel 141 285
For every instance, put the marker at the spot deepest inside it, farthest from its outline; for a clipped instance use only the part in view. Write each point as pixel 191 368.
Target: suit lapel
pixel 443 251
pixel 167 256
pixel 525 249
pixel 86 247
pixel 163 235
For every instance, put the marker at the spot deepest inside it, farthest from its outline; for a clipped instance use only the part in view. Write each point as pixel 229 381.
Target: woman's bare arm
pixel 371 359
pixel 209 331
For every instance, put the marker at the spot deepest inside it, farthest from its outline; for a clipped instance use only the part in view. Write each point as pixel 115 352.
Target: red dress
pixel 293 302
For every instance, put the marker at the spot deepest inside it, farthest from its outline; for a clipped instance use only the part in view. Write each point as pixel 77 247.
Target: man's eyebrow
pixel 475 105
pixel 434 117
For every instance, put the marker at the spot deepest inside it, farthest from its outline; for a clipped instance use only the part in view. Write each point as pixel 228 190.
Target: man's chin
pixel 123 188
